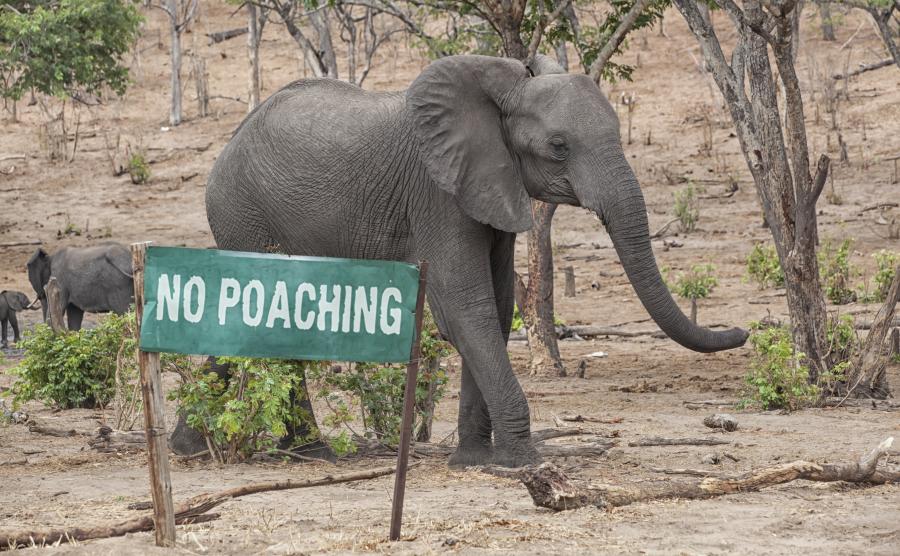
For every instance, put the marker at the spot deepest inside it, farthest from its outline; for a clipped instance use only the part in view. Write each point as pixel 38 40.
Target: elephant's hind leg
pixel 74 316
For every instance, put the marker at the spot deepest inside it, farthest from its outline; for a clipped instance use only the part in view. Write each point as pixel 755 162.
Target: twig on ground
pixel 660 441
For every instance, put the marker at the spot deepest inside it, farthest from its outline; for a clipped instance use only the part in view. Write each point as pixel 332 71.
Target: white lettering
pixel 229 295
pixel 364 311
pixel 345 320
pixel 329 307
pixel 392 327
pixel 304 323
pixel 197 283
pixel 166 298
pixel 251 287
pixel 279 307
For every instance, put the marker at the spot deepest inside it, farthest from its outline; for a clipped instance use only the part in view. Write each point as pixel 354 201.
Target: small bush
pixel 248 412
pixel 138 168
pixel 887 262
pixel 698 283
pixel 377 390
pixel 778 377
pixel 687 207
pixel 764 267
pixel 834 271
pixel 76 368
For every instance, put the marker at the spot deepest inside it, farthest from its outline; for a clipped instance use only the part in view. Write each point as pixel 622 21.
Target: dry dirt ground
pixel 690 137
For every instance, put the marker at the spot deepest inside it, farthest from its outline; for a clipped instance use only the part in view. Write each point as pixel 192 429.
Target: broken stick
pixel 660 441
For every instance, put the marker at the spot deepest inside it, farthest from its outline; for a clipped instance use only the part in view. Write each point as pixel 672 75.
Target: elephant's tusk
pixel 33 303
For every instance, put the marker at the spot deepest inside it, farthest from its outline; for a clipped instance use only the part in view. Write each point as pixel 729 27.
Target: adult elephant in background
pixel 96 279
pixel 444 172
pixel 10 303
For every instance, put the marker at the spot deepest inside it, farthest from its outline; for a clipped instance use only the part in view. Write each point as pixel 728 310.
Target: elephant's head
pixel 17 301
pixel 39 275
pixel 495 133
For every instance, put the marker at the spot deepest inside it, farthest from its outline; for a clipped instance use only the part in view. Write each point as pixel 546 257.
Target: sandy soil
pixel 65 483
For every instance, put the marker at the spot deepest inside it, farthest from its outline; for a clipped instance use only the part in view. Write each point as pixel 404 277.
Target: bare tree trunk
pixel 253 55
pixel 778 158
pixel 201 82
pixel 319 20
pixel 867 376
pixel 827 24
pixel 883 21
pixel 175 109
pixel 562 56
pixel 535 300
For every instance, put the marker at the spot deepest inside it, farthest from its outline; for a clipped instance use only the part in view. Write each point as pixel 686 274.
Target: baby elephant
pixel 10 302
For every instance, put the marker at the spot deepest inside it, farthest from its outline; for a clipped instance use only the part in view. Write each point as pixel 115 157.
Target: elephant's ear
pixel 456 108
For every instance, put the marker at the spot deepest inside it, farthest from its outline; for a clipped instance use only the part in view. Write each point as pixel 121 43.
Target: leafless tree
pixel 775 149
pixel 885 13
pixel 181 13
pixel 256 21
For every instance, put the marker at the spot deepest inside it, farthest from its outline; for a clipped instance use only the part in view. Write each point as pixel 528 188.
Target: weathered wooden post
pixel 570 281
pixel 409 403
pixel 54 306
pixel 154 415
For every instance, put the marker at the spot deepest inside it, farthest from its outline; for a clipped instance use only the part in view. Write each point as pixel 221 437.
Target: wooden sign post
pixel 409 406
pixel 154 416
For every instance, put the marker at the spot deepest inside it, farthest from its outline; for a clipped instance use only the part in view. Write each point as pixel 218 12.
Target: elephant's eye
pixel 558 148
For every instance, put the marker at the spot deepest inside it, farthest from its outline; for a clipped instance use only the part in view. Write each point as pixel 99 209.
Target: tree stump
pixel 54 306
pixel 570 281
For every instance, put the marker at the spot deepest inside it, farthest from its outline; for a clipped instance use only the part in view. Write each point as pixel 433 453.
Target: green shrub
pixel 764 267
pixel 248 412
pixel 834 271
pixel 687 207
pixel 887 262
pixel 778 377
pixel 76 368
pixel 138 168
pixel 698 283
pixel 377 390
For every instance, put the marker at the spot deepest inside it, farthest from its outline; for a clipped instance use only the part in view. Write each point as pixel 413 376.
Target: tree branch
pixel 615 40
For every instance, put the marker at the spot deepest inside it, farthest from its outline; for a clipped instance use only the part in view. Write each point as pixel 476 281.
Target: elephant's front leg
pixel 461 291
pixel 3 337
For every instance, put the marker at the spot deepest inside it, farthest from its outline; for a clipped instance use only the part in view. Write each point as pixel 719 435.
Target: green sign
pixel 210 302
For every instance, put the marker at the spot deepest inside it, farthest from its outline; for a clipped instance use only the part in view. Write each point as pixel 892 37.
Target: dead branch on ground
pixel 551 488
pixel 191 511
pixel 38 428
pixel 660 441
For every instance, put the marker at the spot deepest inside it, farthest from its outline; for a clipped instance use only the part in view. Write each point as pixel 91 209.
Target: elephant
pixel 445 172
pixel 96 279
pixel 10 302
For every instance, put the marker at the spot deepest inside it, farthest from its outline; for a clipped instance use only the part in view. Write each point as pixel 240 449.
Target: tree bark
pixel 319 20
pixel 535 300
pixel 883 21
pixel 54 306
pixel 867 376
pixel 175 35
pixel 253 55
pixel 827 24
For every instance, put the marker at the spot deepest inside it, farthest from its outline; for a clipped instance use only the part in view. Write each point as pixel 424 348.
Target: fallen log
pixel 582 449
pixel 680 471
pixel 660 441
pixel 109 440
pixel 52 431
pixel 864 68
pixel 721 421
pixel 589 419
pixel 194 510
pixel 551 488
pixel 547 434
pixel 11 462
pixel 221 36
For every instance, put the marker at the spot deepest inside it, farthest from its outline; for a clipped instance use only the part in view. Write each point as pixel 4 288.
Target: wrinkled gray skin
pixel 10 302
pixel 445 173
pixel 93 279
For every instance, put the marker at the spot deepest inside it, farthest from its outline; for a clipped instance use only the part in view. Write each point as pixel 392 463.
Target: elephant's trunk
pixel 621 206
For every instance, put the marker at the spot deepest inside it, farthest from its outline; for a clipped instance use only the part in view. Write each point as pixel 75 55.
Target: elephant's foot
pixel 186 441
pixel 470 454
pixel 518 455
